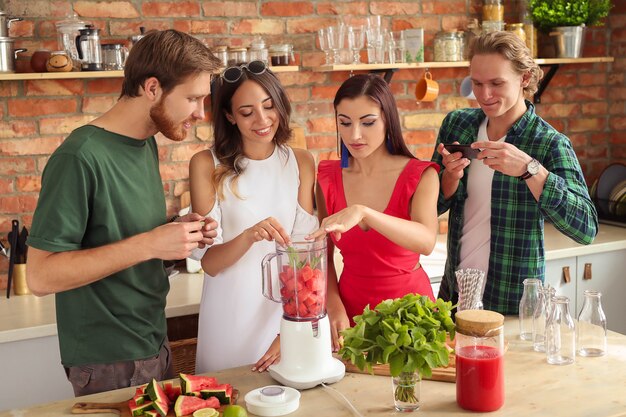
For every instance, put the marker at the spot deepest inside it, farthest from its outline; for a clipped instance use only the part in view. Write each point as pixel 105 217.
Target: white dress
pixel 237 323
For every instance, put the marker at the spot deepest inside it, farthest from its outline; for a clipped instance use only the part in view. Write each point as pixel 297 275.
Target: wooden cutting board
pixel 122 408
pixel 447 374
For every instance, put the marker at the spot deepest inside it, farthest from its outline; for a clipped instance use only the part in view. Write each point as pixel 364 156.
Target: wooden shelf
pixel 459 64
pixel 96 74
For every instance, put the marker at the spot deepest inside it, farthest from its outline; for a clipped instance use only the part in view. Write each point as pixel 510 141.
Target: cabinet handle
pixel 587 272
pixel 566 275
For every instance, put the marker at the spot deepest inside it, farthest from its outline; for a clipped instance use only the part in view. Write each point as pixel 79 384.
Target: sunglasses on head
pixel 234 73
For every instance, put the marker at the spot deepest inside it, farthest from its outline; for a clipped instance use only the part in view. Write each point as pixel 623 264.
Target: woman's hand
pixel 341 222
pixel 338 322
pixel 270 357
pixel 268 229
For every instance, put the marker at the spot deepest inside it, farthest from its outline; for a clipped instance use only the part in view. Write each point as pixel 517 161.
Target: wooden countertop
pixel 27 317
pixel 589 387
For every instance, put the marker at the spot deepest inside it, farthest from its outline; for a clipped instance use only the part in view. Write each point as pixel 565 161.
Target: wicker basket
pixel 184 355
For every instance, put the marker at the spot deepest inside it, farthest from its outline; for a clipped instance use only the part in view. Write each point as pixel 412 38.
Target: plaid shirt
pixel 516 248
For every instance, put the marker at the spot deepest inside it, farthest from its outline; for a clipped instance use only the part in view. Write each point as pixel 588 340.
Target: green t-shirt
pixel 97 188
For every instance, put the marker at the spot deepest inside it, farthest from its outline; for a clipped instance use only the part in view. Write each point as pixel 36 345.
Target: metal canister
pixel 5 23
pixel 8 54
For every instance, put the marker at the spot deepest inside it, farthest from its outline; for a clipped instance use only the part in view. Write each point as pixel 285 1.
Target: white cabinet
pixel 606 273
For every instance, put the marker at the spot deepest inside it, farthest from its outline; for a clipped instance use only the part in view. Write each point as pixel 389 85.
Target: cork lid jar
pixel 479 323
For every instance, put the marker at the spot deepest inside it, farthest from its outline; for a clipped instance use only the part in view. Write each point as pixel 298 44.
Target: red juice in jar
pixel 479 378
pixel 479 346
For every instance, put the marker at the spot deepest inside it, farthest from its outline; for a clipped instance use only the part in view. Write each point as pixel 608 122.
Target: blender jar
pixel 67 31
pixel 301 284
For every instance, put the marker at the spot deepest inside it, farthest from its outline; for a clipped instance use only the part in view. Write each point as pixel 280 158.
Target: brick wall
pixel 586 102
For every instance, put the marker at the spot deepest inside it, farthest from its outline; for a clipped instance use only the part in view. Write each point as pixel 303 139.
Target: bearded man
pixel 100 235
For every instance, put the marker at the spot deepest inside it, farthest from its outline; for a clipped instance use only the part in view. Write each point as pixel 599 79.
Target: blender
pixel 67 31
pixel 306 358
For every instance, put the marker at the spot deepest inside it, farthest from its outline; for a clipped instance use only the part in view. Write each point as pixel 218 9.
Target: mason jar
pixel 281 54
pixel 449 46
pixel 257 50
pixel 221 53
pixel 237 55
pixel 518 30
pixel 493 10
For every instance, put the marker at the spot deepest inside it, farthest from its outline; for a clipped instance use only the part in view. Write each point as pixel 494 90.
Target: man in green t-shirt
pixel 99 233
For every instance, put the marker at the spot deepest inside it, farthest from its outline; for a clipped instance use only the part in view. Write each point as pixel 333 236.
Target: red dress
pixel 375 268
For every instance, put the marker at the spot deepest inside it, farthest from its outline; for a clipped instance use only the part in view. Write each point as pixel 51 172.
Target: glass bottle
pixel 479 359
pixel 540 318
pixel 592 326
pixel 560 333
pixel 527 306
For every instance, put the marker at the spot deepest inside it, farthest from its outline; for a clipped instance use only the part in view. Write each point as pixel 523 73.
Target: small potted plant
pixel 565 20
pixel 409 334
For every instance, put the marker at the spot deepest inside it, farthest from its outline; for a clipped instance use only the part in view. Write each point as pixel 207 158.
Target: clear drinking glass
pixel 527 306
pixel 356 38
pixel 396 47
pixel 322 37
pixel 560 333
pixel 540 318
pixel 336 40
pixel 592 326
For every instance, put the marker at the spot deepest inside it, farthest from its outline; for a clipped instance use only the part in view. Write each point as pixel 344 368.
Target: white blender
pixel 306 358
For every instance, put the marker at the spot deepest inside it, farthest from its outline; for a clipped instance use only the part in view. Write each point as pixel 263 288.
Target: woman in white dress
pixel 260 191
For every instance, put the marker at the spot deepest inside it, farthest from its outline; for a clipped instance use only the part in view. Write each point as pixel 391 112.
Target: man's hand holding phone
pixel 466 150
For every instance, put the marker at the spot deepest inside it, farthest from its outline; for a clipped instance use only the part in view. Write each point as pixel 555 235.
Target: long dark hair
pixel 228 144
pixel 377 89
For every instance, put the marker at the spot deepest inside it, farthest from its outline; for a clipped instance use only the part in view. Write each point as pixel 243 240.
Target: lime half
pixel 234 411
pixel 206 412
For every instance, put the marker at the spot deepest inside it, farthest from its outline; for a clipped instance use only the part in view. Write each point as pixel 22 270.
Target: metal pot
pixel 5 23
pixel 8 55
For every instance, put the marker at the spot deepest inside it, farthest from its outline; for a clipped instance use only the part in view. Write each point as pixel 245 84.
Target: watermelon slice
pixel 172 391
pixel 186 405
pixel 157 395
pixel 223 392
pixel 139 410
pixel 195 383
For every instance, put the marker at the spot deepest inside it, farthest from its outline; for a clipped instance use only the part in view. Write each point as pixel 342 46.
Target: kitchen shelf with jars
pixel 97 74
pixel 389 69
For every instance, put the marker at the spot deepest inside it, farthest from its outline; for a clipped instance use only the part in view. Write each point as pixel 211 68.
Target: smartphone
pixel 465 150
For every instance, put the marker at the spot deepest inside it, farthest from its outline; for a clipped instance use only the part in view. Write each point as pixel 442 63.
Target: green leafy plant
pixel 552 13
pixel 297 263
pixel 408 333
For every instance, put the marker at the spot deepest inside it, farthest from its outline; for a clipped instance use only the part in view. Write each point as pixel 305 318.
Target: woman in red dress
pixel 379 204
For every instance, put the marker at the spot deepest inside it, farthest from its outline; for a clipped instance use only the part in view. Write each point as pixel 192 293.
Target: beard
pixel 165 125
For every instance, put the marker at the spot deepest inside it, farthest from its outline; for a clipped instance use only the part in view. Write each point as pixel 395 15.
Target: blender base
pixel 335 372
pixel 306 357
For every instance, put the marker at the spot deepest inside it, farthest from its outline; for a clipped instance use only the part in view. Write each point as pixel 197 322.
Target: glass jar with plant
pixel 409 334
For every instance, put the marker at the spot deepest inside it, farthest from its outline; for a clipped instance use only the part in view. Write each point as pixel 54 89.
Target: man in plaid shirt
pixel 525 172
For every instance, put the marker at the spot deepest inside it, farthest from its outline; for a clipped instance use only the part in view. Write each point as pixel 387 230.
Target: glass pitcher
pixel 299 282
